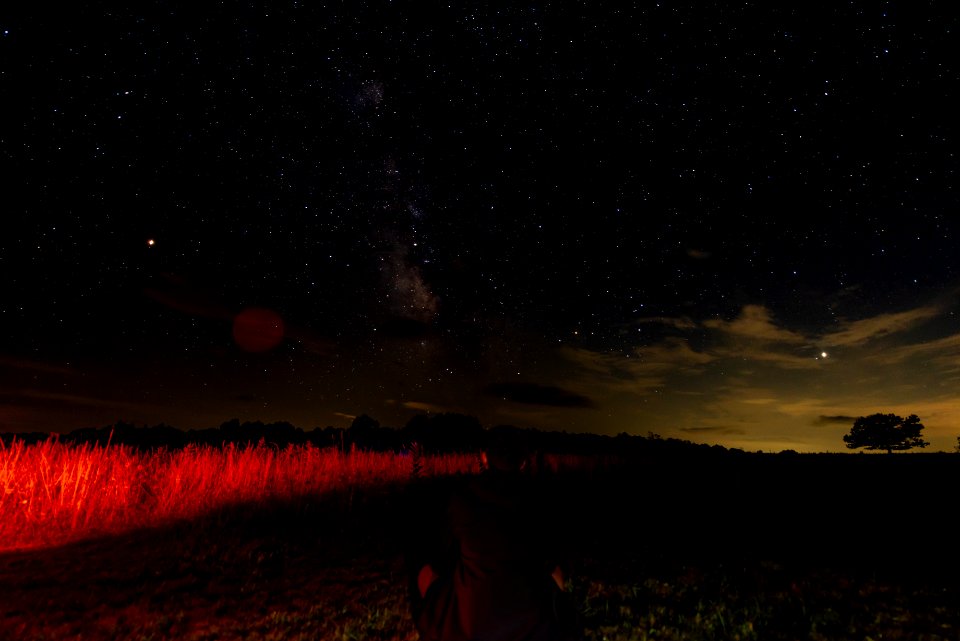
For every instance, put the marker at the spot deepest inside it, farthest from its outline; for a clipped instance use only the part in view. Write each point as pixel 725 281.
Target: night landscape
pixel 285 281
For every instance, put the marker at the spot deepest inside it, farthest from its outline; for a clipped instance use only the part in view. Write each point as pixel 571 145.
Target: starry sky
pixel 730 223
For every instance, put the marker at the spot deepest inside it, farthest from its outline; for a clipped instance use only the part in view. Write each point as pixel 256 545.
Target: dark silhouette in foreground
pixel 497 572
pixel 886 432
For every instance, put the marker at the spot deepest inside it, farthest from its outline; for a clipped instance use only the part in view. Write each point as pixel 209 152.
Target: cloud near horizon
pixel 535 394
pixel 774 380
pixel 839 419
pixel 420 406
pixel 35 365
pixel 755 323
pixel 639 373
pixel 945 351
pixel 28 396
pixel 859 332
pixel 719 429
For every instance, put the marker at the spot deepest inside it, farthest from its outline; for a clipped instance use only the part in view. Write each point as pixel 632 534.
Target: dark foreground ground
pixel 760 548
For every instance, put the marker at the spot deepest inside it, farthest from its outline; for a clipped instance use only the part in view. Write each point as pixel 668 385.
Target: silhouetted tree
pixel 446 432
pixel 328 436
pixel 417 429
pixel 364 424
pixel 885 432
pixel 367 433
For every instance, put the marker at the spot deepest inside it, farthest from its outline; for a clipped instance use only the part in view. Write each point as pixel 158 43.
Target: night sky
pixel 730 223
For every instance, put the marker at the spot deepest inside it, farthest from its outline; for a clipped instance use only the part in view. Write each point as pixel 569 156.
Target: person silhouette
pixel 497 574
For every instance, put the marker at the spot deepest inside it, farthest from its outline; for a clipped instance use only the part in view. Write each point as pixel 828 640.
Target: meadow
pixel 301 542
pixel 53 493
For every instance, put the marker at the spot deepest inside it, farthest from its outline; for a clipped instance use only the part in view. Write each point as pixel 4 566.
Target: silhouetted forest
pixel 434 433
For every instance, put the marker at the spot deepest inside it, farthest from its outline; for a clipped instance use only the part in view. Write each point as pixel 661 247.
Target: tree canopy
pixel 885 432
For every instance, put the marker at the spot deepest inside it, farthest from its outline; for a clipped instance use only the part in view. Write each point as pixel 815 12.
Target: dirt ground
pixel 281 574
pixel 336 567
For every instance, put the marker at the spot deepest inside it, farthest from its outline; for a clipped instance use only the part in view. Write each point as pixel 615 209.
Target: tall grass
pixel 52 492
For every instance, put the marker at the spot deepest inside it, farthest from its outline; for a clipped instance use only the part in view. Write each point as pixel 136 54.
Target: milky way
pixel 666 212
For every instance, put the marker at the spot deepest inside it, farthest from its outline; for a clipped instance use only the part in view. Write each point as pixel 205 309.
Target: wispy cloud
pixel 615 371
pixel 771 384
pixel 671 353
pixel 681 322
pixel 715 429
pixel 178 294
pixel 835 420
pixel 46 397
pixel 535 394
pixel 754 338
pixel 33 365
pixel 756 323
pixel 422 406
pixel 642 371
pixel 862 331
pixel 60 418
pixel 945 351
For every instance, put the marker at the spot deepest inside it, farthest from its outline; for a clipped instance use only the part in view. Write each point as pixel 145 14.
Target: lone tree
pixel 885 432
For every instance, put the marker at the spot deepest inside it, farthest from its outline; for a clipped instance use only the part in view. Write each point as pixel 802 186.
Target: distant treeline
pixel 440 433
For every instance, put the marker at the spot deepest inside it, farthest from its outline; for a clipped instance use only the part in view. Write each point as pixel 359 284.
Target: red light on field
pixel 257 329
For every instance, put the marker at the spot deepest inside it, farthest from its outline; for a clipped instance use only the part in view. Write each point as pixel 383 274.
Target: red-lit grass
pixel 52 492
